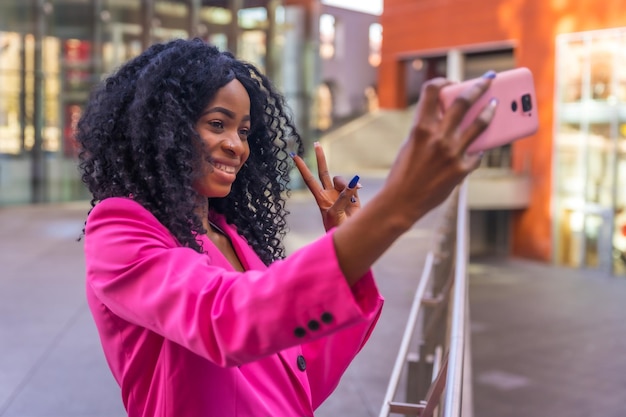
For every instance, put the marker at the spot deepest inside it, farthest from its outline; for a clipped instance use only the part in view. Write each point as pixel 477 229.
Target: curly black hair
pixel 137 138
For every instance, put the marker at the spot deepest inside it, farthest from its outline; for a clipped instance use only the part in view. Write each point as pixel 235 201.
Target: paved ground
pixel 546 342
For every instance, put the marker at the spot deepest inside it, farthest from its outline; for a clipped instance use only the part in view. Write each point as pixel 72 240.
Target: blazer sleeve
pixel 141 274
pixel 329 357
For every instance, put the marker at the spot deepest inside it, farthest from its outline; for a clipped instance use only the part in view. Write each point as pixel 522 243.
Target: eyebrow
pixel 224 111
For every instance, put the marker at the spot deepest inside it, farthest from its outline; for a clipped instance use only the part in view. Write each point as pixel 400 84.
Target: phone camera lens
pixel 514 106
pixel 526 103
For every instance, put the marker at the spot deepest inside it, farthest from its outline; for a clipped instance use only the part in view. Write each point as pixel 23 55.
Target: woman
pixel 186 152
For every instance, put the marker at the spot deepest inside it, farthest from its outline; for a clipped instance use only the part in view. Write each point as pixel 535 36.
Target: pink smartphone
pixel 516 113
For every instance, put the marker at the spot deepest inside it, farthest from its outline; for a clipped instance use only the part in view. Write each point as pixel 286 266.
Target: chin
pixel 212 189
pixel 215 193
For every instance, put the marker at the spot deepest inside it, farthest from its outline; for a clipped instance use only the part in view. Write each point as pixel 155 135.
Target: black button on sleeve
pixel 299 332
pixel 327 318
pixel 301 363
pixel 314 325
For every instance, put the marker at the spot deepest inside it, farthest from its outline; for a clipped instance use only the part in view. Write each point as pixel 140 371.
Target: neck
pixel 202 210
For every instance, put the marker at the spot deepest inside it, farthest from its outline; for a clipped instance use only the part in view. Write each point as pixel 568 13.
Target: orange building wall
pixel 418 25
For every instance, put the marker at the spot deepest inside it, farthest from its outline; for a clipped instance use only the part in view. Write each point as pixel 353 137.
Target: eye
pixel 245 132
pixel 217 124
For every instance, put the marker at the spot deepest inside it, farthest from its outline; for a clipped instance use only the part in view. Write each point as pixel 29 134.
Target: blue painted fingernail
pixel 354 182
pixel 292 154
pixel 490 74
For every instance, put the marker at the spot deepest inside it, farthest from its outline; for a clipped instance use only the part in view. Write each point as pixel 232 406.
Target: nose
pixel 233 146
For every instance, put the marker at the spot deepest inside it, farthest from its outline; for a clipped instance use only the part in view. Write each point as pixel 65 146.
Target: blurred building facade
pixel 575 165
pixel 52 52
pixel 349 50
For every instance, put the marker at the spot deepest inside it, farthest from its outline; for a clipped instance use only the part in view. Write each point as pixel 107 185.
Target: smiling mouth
pixel 224 168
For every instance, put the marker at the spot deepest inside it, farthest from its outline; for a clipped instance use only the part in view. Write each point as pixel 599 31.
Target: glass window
pixel 12 47
pixel 82 42
pixel 327 36
pixel 170 20
pixel 253 18
pixel 253 48
pixel 375 42
pixel 589 188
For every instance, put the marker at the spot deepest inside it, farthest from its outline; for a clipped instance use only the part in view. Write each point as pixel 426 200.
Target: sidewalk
pixel 547 341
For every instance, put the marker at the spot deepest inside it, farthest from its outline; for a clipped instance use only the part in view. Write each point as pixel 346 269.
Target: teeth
pixel 226 168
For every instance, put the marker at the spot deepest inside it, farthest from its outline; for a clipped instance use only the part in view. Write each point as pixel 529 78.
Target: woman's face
pixel 223 126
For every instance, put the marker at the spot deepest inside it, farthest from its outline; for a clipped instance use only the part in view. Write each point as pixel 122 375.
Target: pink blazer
pixel 186 335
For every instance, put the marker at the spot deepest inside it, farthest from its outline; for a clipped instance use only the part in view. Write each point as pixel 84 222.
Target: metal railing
pixel 434 354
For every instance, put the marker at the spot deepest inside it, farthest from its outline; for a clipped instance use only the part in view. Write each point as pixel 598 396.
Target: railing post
pixel 458 334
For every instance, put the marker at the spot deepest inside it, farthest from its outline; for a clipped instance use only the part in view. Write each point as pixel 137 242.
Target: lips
pixel 229 169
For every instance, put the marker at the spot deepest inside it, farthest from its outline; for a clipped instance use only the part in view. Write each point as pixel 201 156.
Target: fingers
pixel 428 109
pixel 351 190
pixel 322 167
pixel 339 183
pixel 307 175
pixel 464 101
pixel 348 197
pixel 478 125
pixel 335 195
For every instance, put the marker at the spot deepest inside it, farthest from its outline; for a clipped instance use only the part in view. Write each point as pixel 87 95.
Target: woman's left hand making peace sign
pixel 336 199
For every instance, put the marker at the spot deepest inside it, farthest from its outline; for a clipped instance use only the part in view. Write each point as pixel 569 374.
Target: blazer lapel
pixel 246 255
pixel 250 261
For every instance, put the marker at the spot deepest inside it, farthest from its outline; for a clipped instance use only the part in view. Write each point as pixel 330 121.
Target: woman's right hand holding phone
pixel 430 163
pixel 432 160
